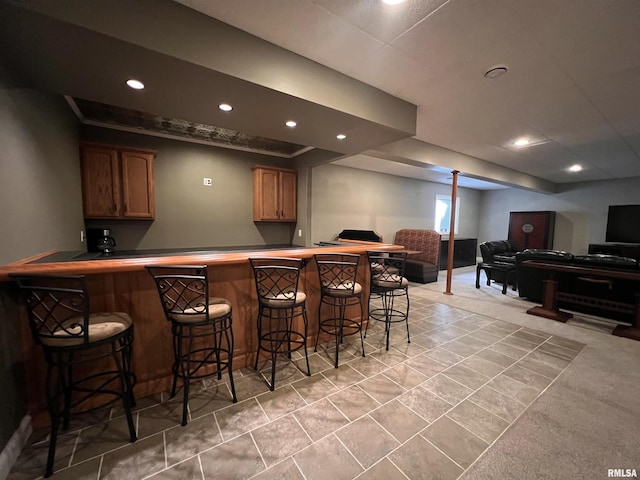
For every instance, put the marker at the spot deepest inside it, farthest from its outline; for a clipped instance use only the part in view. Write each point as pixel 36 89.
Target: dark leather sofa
pixel 530 280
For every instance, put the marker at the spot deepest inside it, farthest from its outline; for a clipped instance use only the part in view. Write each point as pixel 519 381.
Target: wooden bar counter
pixel 124 285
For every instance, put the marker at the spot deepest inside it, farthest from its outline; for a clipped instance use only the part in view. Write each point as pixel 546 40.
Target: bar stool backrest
pixel 276 280
pixel 387 269
pixel 57 306
pixel 338 271
pixel 183 289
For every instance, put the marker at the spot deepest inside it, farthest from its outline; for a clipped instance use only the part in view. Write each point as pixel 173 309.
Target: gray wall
pixel 581 210
pixel 40 210
pixel 344 197
pixel 188 214
pixel 39 175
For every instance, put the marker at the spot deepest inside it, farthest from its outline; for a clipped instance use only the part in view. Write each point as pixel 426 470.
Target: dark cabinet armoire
pixel 532 229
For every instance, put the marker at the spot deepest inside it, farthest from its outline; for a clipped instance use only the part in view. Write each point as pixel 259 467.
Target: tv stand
pixel 631 250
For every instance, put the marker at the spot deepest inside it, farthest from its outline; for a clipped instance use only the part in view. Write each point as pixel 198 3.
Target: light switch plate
pixel 207 182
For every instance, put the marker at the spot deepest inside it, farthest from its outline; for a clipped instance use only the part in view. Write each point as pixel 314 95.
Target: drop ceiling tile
pixel 381 21
pixel 634 141
pixel 602 61
pixel 617 167
pixel 563 111
pixel 571 26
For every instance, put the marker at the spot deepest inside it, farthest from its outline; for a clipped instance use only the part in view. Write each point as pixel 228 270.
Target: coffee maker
pixel 100 240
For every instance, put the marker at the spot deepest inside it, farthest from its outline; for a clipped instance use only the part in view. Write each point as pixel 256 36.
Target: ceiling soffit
pixel 83 51
pixel 95 113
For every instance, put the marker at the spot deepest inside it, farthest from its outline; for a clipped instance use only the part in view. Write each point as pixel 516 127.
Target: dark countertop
pixel 123 261
pixel 78 256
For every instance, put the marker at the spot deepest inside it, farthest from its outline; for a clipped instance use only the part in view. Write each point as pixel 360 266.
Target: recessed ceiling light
pixel 496 71
pixel 575 168
pixel 341 136
pixel 522 142
pixel 291 124
pixel 392 2
pixel 225 107
pixel 135 84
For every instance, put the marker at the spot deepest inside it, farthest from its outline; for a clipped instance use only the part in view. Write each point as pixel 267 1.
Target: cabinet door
pixel 265 195
pixel 100 182
pixel 288 196
pixel 138 200
pixel 532 229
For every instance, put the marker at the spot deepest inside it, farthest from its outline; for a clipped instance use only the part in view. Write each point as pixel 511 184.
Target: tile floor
pixel 427 409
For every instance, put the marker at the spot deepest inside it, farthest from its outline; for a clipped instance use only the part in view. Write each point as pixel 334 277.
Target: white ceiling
pixel 572 87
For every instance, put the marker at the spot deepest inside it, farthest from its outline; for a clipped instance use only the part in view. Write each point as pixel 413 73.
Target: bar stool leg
pixel 124 384
pixel 274 346
pixel 361 320
pixel 289 327
pixel 387 301
pixel 125 345
pixel 255 367
pixel 175 330
pixel 186 373
pixel 54 415
pixel 228 332
pixel 304 344
pixel 406 317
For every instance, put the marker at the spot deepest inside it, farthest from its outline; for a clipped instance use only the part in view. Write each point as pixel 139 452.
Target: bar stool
pixel 200 324
pixel 279 304
pixel 58 309
pixel 386 285
pixel 338 273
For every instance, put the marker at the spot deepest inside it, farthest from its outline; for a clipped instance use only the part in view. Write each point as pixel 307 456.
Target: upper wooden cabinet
pixel 275 194
pixel 117 182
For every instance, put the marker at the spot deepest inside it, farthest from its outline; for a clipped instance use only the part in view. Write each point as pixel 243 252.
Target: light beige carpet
pixel 586 422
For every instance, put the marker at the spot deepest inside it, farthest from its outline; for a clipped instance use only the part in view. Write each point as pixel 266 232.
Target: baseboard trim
pixel 11 451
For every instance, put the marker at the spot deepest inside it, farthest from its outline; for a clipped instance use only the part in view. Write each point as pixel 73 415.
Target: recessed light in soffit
pixel 135 84
pixel 109 116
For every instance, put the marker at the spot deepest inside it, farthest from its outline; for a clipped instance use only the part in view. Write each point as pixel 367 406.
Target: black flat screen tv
pixel 623 224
